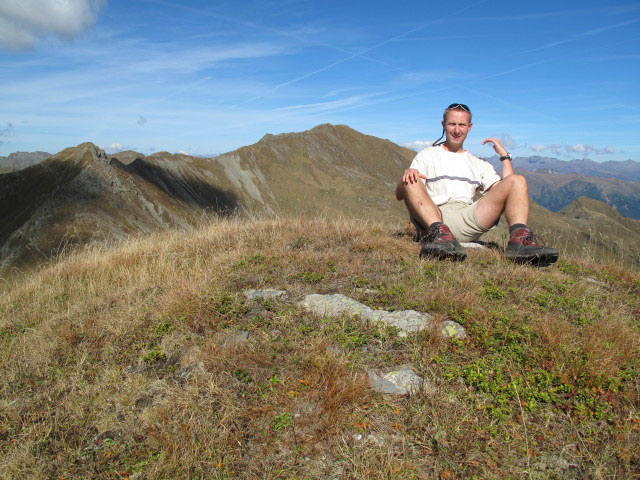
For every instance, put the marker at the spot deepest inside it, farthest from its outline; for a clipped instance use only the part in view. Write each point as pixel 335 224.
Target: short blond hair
pixel 460 107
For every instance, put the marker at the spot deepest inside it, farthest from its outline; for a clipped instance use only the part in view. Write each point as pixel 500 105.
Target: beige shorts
pixel 461 218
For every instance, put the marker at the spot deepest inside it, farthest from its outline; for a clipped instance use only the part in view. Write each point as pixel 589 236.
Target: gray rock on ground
pixel 406 321
pixel 265 294
pixel 452 329
pixel 400 381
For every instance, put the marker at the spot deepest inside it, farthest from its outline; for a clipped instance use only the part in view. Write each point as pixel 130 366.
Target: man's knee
pixel 413 190
pixel 518 182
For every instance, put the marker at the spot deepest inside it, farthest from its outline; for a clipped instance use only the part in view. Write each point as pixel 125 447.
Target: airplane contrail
pixel 355 55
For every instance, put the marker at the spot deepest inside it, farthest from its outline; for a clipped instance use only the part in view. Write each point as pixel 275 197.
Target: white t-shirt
pixel 453 177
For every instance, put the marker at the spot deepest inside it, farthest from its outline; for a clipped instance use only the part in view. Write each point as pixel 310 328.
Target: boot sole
pixel 442 254
pixel 538 260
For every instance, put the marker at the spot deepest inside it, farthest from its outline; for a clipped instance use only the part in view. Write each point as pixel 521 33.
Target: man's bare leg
pixel 419 203
pixel 439 241
pixel 511 196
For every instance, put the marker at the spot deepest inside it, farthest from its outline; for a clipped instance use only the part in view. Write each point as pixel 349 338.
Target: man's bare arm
pixel 507 168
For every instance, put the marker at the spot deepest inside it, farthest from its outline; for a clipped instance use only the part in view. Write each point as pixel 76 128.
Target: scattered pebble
pixel 263 294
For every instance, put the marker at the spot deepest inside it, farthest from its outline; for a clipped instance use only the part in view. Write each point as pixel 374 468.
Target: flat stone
pixel 336 304
pixel 263 294
pixel 400 381
pixel 473 245
pixel 452 329
pixel 406 321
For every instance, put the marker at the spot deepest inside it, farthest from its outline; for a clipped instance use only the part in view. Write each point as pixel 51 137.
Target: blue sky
pixel 551 78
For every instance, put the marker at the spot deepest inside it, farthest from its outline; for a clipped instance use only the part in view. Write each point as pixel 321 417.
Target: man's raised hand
pixel 497 146
pixel 411 175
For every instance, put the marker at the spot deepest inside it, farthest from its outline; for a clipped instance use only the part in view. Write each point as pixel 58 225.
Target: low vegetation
pixel 130 362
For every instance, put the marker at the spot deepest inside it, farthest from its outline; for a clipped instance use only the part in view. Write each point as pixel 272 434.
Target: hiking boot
pixel 439 242
pixel 524 247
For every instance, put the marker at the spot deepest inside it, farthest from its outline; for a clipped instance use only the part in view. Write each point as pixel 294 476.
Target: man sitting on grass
pixel 438 190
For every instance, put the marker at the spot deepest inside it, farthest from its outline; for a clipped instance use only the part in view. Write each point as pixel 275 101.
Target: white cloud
pixel 553 148
pixel 348 102
pixel 115 147
pixel 588 149
pixel 418 145
pixel 194 60
pixel 22 22
pixel 508 141
pixel 568 150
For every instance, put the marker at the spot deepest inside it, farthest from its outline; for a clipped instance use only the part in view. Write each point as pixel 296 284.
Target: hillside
pixel 148 361
pixel 79 196
pixel 82 195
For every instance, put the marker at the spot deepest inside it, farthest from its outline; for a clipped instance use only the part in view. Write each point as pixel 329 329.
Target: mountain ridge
pixel 82 195
pixel 622 170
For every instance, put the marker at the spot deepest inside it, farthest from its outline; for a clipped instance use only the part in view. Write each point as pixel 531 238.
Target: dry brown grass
pixel 124 361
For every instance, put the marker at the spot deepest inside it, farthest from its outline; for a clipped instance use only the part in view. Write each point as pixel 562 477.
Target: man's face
pixel 457 127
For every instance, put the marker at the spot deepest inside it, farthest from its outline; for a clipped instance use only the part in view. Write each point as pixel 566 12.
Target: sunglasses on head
pixel 453 106
pixel 459 105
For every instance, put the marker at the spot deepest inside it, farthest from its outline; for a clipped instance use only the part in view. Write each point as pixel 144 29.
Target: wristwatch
pixel 505 157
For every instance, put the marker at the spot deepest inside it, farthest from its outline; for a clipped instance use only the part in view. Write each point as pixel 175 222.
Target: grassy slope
pixel 121 362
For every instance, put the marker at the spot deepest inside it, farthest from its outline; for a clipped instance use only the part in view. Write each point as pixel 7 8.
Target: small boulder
pixel 399 381
pixel 451 329
pixel 265 294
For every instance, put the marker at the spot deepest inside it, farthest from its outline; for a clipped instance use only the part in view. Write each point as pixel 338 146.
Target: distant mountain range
pixel 81 194
pixel 20 160
pixel 622 170
pixel 556 183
